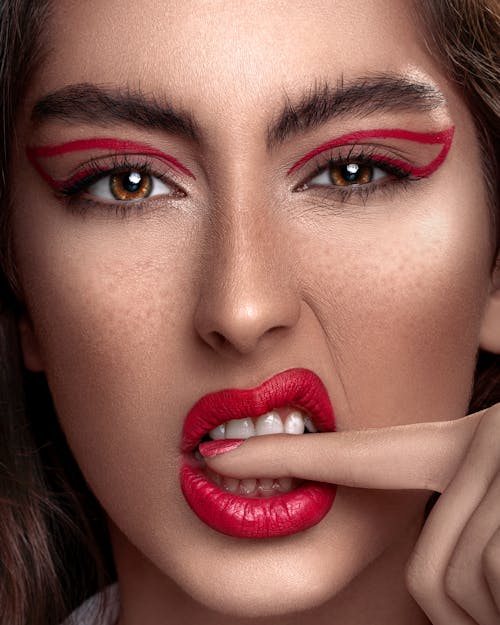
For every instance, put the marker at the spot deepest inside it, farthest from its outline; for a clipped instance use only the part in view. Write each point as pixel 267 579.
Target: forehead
pixel 220 57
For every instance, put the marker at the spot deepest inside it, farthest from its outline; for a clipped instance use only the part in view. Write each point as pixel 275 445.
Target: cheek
pixel 116 333
pixel 110 303
pixel 401 297
pixel 113 305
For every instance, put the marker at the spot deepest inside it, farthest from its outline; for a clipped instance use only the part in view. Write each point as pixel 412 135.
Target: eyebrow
pixel 383 93
pixel 90 103
pixel 97 104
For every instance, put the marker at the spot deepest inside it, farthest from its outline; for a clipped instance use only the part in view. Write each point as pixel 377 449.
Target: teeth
pixel 285 484
pixel 294 423
pixel 309 425
pixel 240 428
pixel 269 423
pixel 251 487
pixel 266 486
pixel 218 433
pixel 248 486
pixel 230 484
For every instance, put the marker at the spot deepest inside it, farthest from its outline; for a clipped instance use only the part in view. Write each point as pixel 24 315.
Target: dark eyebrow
pixel 363 97
pixel 89 103
pixel 97 104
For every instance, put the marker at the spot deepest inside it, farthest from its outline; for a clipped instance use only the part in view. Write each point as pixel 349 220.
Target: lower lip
pixel 245 517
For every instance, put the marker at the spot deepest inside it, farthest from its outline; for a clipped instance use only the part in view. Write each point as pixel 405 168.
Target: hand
pixel 454 571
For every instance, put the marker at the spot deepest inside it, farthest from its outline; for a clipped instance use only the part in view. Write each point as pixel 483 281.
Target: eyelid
pixel 388 166
pixel 444 137
pixel 393 172
pixel 116 146
pixel 375 180
pixel 94 171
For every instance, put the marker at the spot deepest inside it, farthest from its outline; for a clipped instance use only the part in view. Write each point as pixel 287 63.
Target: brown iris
pixel 351 173
pixel 130 185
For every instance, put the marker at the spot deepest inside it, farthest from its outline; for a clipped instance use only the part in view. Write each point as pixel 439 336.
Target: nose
pixel 248 297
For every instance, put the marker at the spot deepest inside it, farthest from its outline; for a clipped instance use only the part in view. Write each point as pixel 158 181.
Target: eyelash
pixel 73 189
pixel 399 177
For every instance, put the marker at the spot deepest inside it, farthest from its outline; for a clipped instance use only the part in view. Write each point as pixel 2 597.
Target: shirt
pixel 86 614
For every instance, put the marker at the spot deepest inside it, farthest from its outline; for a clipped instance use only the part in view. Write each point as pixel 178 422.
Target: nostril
pixel 234 328
pixel 242 344
pixel 217 339
pixel 245 344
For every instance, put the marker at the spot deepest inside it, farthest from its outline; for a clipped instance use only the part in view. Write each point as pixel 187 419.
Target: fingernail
pixel 214 448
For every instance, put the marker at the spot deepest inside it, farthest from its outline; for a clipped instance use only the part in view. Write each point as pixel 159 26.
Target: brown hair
pixel 464 36
pixel 49 517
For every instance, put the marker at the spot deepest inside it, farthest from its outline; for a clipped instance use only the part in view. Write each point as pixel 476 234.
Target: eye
pixel 347 174
pixel 128 186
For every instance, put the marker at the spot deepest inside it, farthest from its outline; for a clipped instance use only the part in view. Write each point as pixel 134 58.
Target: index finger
pixel 415 456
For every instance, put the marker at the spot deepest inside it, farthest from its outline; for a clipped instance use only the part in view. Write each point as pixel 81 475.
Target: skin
pixel 134 319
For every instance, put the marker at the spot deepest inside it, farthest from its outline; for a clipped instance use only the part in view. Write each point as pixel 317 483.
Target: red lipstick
pixel 244 517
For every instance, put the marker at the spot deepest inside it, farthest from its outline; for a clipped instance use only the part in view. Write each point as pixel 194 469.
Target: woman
pixel 229 219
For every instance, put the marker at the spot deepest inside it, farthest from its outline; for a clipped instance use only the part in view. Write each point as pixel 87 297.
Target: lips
pixel 279 515
pixel 299 388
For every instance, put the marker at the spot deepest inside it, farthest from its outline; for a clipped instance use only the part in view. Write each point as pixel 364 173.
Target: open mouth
pixel 293 402
pixel 285 420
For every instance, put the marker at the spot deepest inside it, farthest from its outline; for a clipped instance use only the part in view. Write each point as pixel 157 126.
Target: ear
pixel 29 345
pixel 489 336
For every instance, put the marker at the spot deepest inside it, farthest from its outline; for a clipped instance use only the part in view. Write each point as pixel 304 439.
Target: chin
pixel 269 596
pixel 267 578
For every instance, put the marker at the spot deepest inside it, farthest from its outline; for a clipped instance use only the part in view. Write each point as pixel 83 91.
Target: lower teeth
pixel 251 487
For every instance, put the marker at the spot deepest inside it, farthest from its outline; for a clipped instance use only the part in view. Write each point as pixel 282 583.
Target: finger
pixel 491 563
pixel 428 576
pixel 466 580
pixel 416 456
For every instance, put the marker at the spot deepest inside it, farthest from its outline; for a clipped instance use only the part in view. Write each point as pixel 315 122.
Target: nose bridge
pixel 246 293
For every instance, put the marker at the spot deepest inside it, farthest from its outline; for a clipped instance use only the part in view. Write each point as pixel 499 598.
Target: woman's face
pixel 250 257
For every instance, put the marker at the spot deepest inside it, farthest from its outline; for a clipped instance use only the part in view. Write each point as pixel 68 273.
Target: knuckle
pixel 490 422
pixel 453 582
pixel 490 559
pixel 487 435
pixel 421 577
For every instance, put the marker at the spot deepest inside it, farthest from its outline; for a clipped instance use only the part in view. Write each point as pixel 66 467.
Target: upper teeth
pixel 269 423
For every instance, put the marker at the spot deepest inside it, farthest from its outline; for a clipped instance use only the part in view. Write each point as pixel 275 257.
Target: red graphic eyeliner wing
pixel 80 145
pixel 443 138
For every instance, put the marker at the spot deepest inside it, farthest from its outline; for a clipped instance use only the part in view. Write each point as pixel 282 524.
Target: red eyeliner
pixel 80 145
pixel 444 137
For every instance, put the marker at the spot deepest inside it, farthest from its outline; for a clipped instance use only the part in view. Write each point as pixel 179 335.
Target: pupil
pixel 131 182
pixel 350 172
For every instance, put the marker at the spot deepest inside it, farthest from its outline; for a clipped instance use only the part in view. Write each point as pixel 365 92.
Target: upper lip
pixel 300 388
